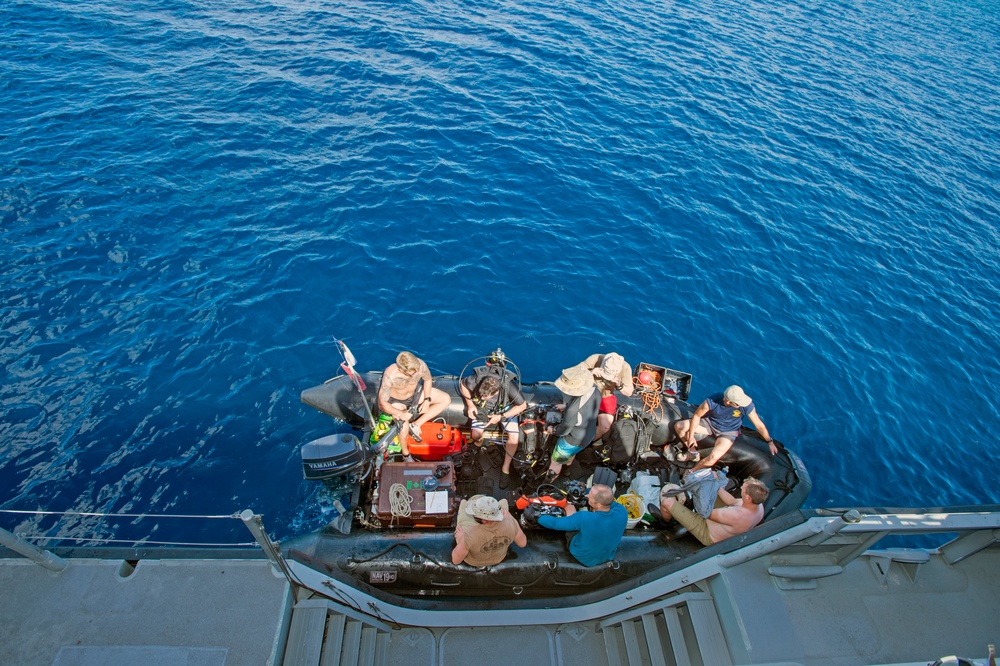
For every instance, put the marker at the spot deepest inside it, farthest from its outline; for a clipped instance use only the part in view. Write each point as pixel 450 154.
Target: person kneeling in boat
pixel 611 373
pixel 595 534
pixel 731 517
pixel 721 415
pixel 406 392
pixel 492 397
pixel 485 531
pixel 579 421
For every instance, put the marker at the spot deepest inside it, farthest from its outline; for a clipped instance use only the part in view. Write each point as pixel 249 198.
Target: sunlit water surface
pixel 801 198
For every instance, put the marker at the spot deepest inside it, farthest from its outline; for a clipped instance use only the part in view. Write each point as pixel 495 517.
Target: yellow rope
pixel 633 504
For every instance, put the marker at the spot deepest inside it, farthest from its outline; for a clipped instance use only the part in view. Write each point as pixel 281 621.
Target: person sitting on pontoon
pixel 733 516
pixel 611 373
pixel 593 536
pixel 407 395
pixel 579 421
pixel 492 397
pixel 484 532
pixel 721 415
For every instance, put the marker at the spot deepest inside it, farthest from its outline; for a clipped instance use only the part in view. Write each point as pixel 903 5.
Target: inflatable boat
pixel 374 545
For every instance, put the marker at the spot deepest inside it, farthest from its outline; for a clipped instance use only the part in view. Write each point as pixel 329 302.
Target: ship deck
pixel 161 611
pixel 824 591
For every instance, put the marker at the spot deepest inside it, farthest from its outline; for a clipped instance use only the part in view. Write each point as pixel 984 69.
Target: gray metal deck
pixel 817 594
pixel 205 612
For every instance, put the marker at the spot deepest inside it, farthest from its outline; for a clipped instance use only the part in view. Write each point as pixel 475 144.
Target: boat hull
pixel 415 562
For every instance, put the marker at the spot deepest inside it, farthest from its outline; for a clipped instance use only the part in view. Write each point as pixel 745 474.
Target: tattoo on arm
pixel 384 394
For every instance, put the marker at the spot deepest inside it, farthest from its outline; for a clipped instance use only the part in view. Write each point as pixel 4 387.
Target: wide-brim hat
pixel 611 366
pixel 484 508
pixel 575 381
pixel 735 395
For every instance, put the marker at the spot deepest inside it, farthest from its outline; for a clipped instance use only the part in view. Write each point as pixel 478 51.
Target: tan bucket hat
pixel 611 367
pixel 575 381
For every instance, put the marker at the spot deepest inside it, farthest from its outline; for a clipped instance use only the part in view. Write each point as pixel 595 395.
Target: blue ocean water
pixel 197 198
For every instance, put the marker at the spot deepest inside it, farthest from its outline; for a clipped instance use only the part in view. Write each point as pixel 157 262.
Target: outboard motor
pixel 332 456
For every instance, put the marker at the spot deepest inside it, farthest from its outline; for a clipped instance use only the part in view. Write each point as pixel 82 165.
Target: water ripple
pixel 196 199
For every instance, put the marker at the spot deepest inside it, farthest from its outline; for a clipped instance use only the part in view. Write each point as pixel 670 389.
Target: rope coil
pixel 650 393
pixel 399 501
pixel 633 504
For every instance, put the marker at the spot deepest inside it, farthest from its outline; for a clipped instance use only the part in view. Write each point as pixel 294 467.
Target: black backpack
pixel 627 438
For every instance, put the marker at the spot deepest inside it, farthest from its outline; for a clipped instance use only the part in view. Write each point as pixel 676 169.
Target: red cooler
pixel 439 440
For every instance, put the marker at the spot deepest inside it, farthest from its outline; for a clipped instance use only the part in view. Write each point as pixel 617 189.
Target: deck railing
pixel 25 543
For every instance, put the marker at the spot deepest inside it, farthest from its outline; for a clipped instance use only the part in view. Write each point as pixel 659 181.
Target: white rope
pixel 114 515
pixel 399 501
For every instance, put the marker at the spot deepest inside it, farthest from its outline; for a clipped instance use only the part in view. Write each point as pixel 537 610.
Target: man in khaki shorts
pixel 734 516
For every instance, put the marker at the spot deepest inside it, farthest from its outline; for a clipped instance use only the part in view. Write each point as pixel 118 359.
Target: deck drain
pixel 127 568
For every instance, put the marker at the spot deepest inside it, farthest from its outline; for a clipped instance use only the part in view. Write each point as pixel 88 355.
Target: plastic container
pixel 438 440
pixel 646 486
pixel 411 477
pixel 670 383
pixel 656 385
pixel 676 384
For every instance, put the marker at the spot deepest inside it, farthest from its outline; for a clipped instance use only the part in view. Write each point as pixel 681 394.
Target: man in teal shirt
pixel 598 531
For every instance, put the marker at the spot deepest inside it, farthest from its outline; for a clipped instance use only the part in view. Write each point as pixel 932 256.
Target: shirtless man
pixel 735 516
pixel 401 390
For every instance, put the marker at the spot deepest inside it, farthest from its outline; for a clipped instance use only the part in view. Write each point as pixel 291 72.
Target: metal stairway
pixel 682 630
pixel 326 634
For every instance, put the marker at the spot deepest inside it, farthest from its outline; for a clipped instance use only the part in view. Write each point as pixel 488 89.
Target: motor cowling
pixel 332 456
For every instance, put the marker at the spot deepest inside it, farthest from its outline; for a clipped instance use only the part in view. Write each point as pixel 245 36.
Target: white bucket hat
pixel 484 508
pixel 611 367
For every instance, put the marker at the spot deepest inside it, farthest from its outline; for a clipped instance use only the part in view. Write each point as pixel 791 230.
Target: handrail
pixel 32 552
pixel 138 542
pixel 19 542
pixel 91 514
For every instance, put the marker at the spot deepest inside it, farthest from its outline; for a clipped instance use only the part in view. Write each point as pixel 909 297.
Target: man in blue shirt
pixel 721 415
pixel 598 531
